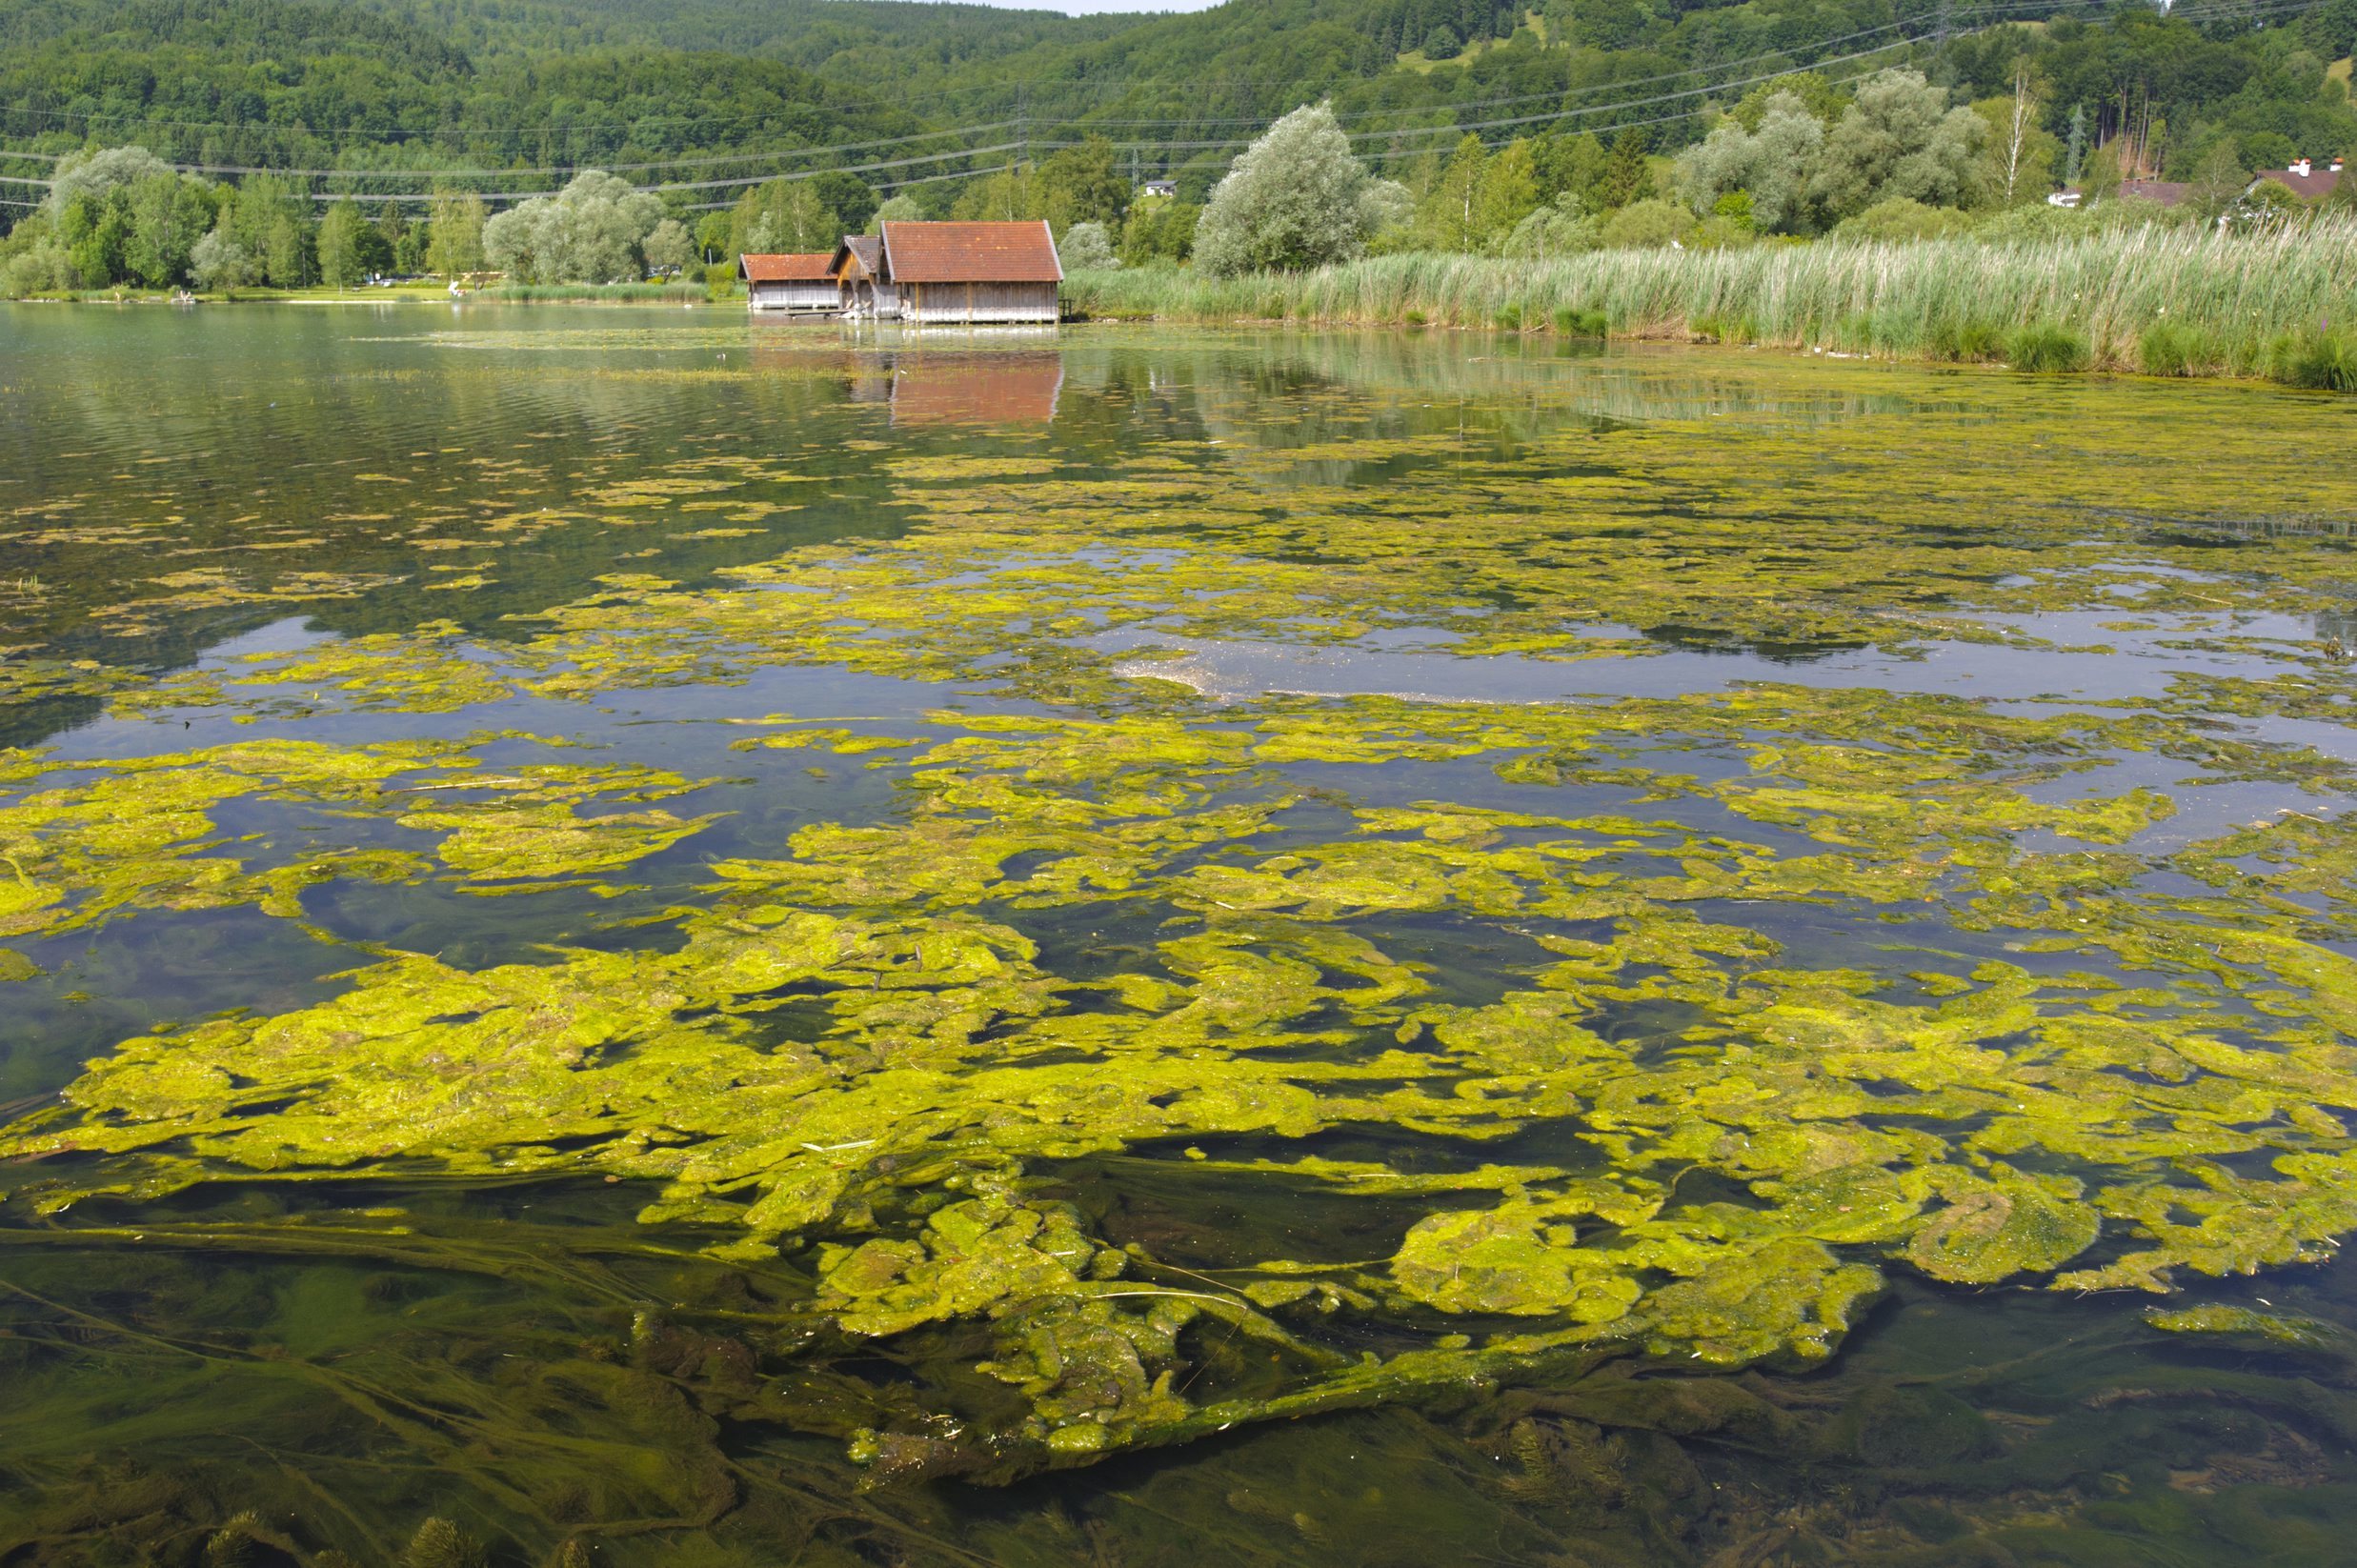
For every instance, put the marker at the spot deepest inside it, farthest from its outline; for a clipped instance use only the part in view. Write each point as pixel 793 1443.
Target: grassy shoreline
pixel 2160 301
pixel 2280 306
pixel 427 294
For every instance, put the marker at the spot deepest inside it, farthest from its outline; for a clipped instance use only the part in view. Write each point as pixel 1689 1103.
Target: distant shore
pixel 416 294
pixel 2280 306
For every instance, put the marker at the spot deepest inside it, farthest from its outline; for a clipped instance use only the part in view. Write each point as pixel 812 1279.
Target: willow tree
pixel 1297 198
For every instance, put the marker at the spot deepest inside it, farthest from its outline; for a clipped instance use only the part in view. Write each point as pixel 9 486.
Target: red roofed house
pixel 2304 179
pixel 802 282
pixel 970 271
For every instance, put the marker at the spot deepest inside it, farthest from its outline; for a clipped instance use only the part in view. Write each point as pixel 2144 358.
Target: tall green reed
pixel 2227 299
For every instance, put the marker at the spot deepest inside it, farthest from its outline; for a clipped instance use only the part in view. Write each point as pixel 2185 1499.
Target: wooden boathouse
pixel 799 282
pixel 969 273
pixel 859 279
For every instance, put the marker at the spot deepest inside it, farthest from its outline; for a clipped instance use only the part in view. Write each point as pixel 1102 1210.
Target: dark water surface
pixel 631 938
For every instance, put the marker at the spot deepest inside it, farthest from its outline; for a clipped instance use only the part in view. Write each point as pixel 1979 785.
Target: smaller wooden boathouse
pixel 966 273
pixel 859 268
pixel 801 282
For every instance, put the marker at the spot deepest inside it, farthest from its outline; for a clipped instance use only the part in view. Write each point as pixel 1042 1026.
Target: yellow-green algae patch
pixel 141 833
pixel 1727 1184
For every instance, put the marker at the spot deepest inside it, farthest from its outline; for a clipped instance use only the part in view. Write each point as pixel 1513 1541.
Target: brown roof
pixel 2167 193
pixel 794 266
pixel 971 253
pixel 866 250
pixel 2314 187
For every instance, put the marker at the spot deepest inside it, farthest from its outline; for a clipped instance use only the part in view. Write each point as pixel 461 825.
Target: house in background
pixel 795 281
pixel 2301 178
pixel 1159 187
pixel 2304 179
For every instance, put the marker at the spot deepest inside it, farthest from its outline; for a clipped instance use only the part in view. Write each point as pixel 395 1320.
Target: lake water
pixel 636 938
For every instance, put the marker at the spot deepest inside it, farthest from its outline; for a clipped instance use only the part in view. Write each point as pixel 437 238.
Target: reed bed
pixel 2164 300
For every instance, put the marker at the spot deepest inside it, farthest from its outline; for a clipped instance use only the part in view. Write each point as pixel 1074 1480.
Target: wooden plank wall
pixel 796 295
pixel 980 302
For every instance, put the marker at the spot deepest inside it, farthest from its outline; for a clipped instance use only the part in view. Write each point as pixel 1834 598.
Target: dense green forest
pixel 723 109
pixel 415 83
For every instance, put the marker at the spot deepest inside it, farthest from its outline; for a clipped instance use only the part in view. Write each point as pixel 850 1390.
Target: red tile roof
pixel 971 253
pixel 795 267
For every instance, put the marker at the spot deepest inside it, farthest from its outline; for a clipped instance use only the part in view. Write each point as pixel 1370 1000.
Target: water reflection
pixel 999 389
pixel 700 648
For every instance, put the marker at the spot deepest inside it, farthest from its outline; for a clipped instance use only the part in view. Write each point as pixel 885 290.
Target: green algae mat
pixel 631 938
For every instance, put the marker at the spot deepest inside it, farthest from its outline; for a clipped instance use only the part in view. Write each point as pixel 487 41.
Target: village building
pixel 2304 179
pixel 797 281
pixel 964 274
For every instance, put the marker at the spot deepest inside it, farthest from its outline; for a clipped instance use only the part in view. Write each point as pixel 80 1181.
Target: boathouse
pixel 969 273
pixel 800 282
pixel 860 280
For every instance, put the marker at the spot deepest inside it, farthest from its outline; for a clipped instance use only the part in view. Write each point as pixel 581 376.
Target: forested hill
pixel 366 83
pixel 297 83
pixel 814 35
pixel 545 84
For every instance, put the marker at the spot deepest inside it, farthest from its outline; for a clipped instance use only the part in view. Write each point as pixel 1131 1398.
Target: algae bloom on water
pixel 1263 897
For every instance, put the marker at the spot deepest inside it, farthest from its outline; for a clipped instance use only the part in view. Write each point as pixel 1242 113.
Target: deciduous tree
pixel 339 245
pixel 1086 246
pixel 593 230
pixel 455 228
pixel 220 262
pixel 1080 185
pixel 1773 164
pixel 1897 138
pixel 1297 198
pixel 670 248
pixel 168 215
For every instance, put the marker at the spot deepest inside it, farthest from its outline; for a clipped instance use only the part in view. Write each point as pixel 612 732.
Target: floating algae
pixel 1980 1130
pixel 1608 1037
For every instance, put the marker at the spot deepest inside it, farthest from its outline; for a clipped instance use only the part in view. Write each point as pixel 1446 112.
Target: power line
pixel 1394 135
pixel 1942 13
pixel 1183 84
pixel 558 169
